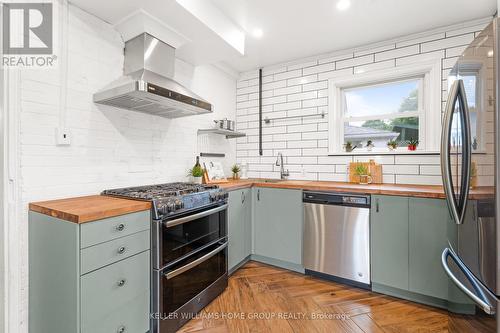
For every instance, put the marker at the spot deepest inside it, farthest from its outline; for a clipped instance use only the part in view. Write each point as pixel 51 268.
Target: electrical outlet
pixel 63 137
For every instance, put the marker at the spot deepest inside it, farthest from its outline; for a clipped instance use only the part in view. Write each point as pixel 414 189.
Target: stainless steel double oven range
pixel 189 249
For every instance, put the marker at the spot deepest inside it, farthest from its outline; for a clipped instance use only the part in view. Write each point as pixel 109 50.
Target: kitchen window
pixel 472 76
pixel 398 105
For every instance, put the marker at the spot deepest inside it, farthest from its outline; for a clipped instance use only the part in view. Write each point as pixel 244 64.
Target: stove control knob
pixel 213 196
pixel 178 204
pixel 170 206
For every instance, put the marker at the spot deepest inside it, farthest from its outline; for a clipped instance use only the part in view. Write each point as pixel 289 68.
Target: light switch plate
pixel 63 137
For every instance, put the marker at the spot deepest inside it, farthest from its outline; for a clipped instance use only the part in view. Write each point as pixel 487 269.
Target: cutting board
pixel 374 170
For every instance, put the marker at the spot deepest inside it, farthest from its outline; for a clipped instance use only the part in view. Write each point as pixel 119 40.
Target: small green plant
pixel 412 142
pixel 235 169
pixel 473 170
pixel 348 146
pixel 392 144
pixel 196 171
pixel 361 170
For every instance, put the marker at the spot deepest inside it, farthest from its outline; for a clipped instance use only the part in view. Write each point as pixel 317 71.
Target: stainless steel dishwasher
pixel 337 237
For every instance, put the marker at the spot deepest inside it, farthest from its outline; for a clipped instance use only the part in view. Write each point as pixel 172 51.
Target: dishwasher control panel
pixel 355 200
pixel 341 199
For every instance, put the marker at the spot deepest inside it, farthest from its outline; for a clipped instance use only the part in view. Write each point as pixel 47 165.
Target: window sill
pixel 386 152
pixel 397 152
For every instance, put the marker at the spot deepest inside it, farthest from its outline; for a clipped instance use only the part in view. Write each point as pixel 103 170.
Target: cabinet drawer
pixel 105 292
pixel 97 256
pixel 131 317
pixel 101 231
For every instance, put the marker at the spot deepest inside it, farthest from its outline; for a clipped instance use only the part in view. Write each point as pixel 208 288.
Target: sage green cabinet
pixel 389 241
pixel 408 236
pixel 90 277
pixel 278 224
pixel 428 223
pixel 239 227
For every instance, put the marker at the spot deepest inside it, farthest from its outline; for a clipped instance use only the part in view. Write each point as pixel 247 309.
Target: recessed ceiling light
pixel 257 32
pixel 343 4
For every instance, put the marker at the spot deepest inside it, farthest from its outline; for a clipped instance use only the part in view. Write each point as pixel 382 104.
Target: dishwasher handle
pixel 337 199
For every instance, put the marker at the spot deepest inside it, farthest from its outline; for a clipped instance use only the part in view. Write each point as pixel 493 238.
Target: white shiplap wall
pixel 109 147
pixel 301 88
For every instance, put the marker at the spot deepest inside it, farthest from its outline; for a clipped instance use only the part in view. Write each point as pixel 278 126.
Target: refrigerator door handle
pixel 479 297
pixel 457 210
pixel 466 151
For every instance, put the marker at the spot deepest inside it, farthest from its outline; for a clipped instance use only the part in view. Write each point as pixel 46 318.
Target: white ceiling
pixel 294 29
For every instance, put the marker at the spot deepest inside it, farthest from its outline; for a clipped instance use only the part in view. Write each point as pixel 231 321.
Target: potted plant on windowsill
pixel 369 145
pixel 362 172
pixel 392 145
pixel 236 171
pixel 349 147
pixel 196 174
pixel 412 144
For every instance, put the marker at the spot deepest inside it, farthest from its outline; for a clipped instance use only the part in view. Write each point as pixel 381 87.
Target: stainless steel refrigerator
pixel 470 169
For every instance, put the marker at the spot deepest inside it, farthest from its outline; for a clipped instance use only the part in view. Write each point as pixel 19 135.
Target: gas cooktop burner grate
pixel 172 198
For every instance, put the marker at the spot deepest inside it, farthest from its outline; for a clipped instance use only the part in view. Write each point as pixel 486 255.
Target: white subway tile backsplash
pixel 447 42
pixel 315 102
pixel 287 106
pixel 373 50
pixel 287 136
pixel 397 53
pixel 355 61
pixel 288 75
pixel 315 135
pixel 319 68
pixel 418 180
pixel 287 90
pixel 303 128
pixel 335 57
pixel 423 39
pixel 302 65
pixel 315 86
pixel 273 85
pixel 430 170
pixel 302 160
pixel 332 177
pixel 302 96
pixel 302 144
pixel 302 80
pixel 300 88
pixel 375 66
pixel 335 74
pixel 417 159
pixel 435 55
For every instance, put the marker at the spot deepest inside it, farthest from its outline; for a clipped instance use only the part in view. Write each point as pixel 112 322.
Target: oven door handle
pixel 195 216
pixel 194 263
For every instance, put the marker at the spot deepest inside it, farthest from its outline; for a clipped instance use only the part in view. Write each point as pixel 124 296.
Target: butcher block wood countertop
pixel 88 208
pixel 419 191
pixel 97 207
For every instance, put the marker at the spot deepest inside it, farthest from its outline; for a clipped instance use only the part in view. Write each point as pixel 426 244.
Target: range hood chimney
pixel 148 86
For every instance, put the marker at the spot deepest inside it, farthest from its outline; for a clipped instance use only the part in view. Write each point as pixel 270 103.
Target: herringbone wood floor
pixel 263 289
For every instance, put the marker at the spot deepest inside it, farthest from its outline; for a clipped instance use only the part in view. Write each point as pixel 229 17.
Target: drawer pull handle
pixel 121 283
pixel 121 329
pixel 120 227
pixel 121 250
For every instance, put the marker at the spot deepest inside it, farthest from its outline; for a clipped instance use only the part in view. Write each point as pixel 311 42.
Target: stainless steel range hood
pixel 147 85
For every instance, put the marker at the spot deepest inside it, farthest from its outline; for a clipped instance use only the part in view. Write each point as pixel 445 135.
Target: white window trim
pixel 430 119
